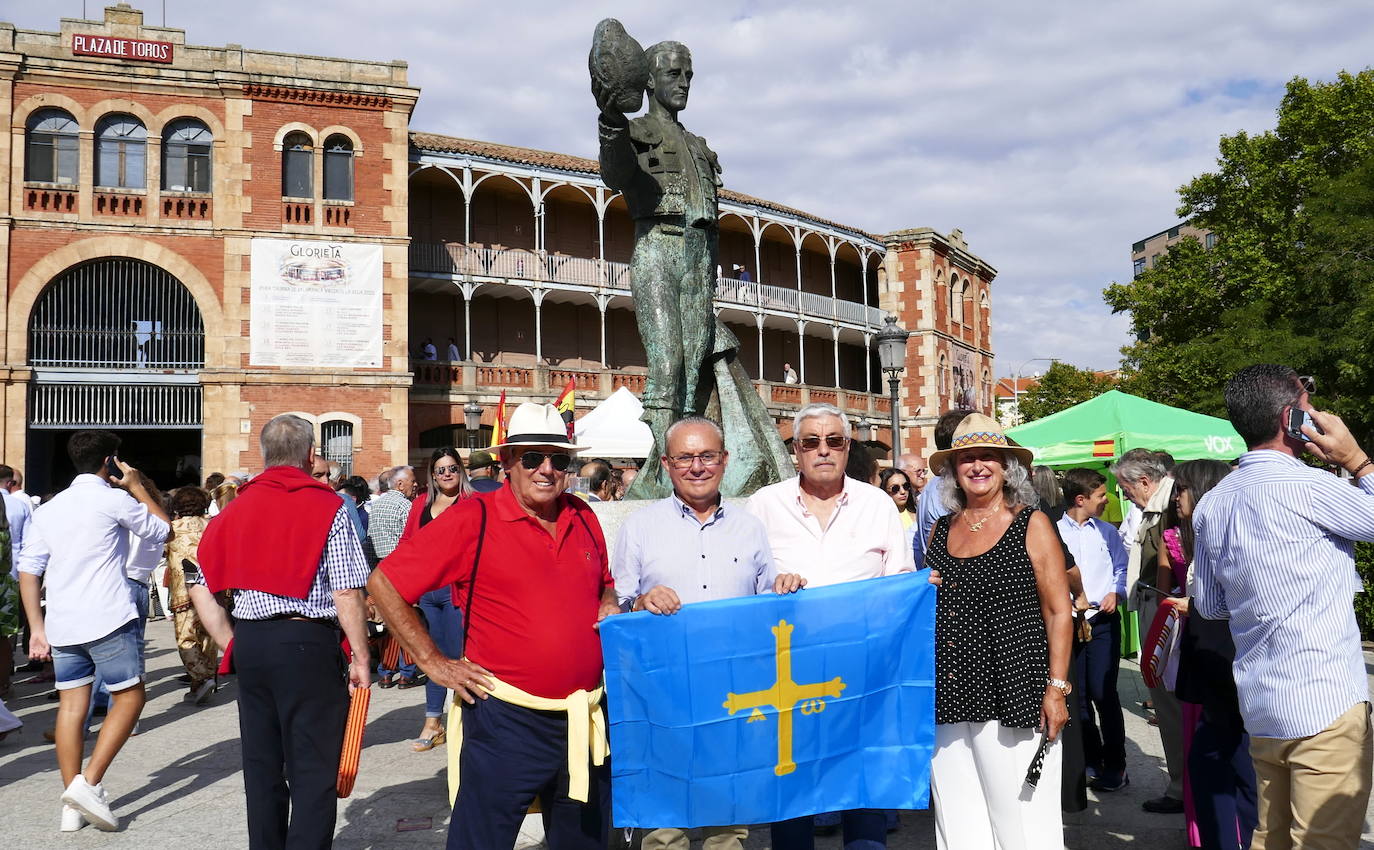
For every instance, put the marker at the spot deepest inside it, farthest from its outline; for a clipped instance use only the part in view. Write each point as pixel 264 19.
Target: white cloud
pixel 1054 134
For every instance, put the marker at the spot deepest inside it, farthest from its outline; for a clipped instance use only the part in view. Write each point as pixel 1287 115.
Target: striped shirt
pixel 342 567
pixel 1274 555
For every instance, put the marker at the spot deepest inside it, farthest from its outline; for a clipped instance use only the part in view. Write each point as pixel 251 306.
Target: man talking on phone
pixel 77 546
pixel 1274 556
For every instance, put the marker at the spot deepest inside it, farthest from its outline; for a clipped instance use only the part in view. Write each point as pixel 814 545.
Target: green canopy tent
pixel 1098 431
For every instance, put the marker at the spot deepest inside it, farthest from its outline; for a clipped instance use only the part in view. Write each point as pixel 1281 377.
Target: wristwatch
pixel 1065 687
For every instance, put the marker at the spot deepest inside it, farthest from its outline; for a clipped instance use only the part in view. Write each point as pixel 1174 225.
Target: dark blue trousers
pixel 1223 781
pixel 1104 727
pixel 864 829
pixel 511 755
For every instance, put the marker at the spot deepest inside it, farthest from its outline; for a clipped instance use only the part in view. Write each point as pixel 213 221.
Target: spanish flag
pixel 1104 448
pixel 566 402
pixel 498 428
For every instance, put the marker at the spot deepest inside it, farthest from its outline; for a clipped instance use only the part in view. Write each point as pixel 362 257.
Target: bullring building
pixel 196 239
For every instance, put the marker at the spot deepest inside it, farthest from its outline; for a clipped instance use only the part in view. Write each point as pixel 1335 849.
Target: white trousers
pixel 982 801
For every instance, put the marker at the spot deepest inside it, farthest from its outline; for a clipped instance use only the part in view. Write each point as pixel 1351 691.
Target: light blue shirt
pixel 1274 554
pixel 664 543
pixel 18 511
pixel 928 512
pixel 1100 555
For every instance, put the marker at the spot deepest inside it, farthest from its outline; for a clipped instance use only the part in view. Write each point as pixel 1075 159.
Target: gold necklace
pixel 978 526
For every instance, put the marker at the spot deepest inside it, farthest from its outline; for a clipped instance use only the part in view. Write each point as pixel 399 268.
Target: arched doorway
pixel 116 343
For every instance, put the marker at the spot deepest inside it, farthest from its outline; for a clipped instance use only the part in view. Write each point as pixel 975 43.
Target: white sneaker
pixel 91 801
pixel 71 819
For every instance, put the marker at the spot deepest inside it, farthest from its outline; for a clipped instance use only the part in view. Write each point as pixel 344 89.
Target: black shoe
pixel 1106 784
pixel 387 681
pixel 1165 805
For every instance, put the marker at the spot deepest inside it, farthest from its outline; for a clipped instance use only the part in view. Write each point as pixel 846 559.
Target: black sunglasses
pixel 834 441
pixel 893 488
pixel 559 460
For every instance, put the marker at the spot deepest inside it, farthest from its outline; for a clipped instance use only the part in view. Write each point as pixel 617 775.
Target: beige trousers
pixel 1313 791
pixel 717 838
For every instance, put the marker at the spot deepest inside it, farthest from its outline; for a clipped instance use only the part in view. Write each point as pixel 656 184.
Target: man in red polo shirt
pixel 528 565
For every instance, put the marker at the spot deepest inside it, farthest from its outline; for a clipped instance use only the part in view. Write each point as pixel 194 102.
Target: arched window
pixel 944 375
pixel 956 310
pixel 338 168
pixel 336 443
pixel 116 313
pixel 297 166
pixel 121 150
pixel 186 156
pixel 51 151
pixel 986 401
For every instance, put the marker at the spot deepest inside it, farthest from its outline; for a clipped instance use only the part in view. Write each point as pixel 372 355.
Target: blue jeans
pixel 864 829
pixel 1224 785
pixel 100 692
pixel 1104 726
pixel 445 624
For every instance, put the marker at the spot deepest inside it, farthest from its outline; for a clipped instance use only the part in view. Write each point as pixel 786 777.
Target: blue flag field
pixel 763 708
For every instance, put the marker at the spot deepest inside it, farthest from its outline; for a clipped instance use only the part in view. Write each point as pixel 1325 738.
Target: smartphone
pixel 113 468
pixel 1298 418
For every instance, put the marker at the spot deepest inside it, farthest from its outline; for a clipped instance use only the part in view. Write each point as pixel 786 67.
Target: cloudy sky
pixel 1054 134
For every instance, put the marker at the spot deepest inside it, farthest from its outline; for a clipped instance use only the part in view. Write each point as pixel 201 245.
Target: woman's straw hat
pixel 980 431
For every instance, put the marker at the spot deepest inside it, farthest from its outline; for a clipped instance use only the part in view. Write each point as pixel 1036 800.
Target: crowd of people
pixel 492 578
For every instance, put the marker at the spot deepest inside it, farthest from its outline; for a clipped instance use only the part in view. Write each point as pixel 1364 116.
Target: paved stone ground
pixel 177 784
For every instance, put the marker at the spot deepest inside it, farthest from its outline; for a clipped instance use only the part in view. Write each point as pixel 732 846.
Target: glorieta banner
pixel 315 304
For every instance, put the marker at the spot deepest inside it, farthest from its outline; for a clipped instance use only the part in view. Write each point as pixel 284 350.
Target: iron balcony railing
pixel 455 258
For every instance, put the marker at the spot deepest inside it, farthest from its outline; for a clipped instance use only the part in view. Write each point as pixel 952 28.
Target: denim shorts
pixel 115 656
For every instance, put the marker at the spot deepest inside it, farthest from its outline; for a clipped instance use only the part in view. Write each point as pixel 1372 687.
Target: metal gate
pixel 72 405
pixel 117 313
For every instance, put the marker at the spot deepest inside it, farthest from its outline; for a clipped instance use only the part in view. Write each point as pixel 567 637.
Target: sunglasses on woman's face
pixel 533 460
pixel 896 488
pixel 451 469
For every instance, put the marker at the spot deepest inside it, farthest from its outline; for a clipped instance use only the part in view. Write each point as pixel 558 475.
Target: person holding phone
pixel 77 547
pixel 1273 555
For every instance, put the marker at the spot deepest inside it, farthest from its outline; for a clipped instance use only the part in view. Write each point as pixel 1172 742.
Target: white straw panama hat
pixel 980 431
pixel 537 425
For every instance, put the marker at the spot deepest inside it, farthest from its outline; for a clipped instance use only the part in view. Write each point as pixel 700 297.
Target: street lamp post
pixel 472 420
pixel 892 357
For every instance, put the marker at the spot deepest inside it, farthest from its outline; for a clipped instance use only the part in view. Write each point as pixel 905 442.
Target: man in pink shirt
pixel 830 529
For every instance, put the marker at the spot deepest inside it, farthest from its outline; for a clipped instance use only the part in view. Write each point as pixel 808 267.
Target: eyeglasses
pixel 533 460
pixel 834 441
pixel 706 458
pixel 894 488
pixel 1309 383
pixel 452 469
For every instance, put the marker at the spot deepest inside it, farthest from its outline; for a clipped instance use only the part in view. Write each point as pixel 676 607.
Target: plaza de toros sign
pixel 122 48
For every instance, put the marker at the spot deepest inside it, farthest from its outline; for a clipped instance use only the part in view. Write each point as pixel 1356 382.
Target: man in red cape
pixel 287 549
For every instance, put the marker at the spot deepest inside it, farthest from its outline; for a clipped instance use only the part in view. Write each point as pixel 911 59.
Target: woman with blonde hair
pixel 1003 634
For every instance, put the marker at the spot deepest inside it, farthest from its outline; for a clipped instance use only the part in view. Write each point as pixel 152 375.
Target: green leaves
pixel 1061 387
pixel 1291 276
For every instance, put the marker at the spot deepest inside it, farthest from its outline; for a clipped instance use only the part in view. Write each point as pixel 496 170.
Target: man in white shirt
pixel 830 529
pixel 1101 558
pixel 77 547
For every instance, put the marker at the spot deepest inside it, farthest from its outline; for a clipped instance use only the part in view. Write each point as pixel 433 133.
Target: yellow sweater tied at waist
pixel 586 731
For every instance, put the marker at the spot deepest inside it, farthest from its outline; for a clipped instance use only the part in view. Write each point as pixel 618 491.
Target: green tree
pixel 1288 280
pixel 1061 387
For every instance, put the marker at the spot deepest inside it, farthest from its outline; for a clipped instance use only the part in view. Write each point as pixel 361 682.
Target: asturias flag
pixel 765 708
